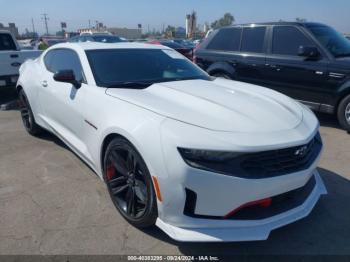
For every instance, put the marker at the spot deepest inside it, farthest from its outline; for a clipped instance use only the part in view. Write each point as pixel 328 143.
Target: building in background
pixel 127 33
pixel 11 27
pixel 206 28
pixel 191 24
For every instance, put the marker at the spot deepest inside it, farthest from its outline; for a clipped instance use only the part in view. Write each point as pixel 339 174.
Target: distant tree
pixel 226 20
pixel 170 31
pixel 300 20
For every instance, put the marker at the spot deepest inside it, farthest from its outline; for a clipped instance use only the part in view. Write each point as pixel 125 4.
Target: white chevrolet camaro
pixel 204 159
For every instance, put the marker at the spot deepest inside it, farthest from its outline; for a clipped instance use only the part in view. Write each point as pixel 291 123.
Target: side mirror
pixel 309 52
pixel 67 76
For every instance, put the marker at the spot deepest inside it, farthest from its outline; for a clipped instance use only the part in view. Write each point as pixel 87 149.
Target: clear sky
pixel 118 13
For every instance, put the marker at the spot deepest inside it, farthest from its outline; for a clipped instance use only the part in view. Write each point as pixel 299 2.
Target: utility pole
pixel 46 18
pixel 33 27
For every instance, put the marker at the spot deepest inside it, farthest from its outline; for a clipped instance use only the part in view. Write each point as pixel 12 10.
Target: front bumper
pixel 227 230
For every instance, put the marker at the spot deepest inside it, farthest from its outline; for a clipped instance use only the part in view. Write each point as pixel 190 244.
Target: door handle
pixel 14 56
pixel 44 83
pixel 16 64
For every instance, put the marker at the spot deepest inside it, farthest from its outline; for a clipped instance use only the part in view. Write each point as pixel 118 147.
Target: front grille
pixel 281 161
pixel 267 164
pixel 279 204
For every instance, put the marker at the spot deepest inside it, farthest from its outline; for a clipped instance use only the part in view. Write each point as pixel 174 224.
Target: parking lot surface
pixel 52 203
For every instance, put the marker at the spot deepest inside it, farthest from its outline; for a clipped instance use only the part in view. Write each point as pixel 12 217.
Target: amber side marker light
pixel 157 188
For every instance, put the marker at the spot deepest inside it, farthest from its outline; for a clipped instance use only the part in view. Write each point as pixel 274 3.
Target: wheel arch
pixel 222 67
pixel 342 93
pixel 106 141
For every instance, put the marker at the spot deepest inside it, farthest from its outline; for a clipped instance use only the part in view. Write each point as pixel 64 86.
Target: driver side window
pixel 65 59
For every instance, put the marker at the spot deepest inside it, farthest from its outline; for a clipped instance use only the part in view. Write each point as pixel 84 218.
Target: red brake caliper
pixel 110 172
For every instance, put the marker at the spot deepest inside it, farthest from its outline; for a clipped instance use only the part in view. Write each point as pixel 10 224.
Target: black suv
pixel 307 61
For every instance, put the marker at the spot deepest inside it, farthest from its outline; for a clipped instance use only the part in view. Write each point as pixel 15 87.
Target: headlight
pixel 209 160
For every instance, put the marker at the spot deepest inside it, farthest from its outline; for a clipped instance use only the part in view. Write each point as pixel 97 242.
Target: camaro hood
pixel 221 105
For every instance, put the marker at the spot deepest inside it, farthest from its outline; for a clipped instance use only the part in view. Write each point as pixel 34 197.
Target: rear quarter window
pixel 226 39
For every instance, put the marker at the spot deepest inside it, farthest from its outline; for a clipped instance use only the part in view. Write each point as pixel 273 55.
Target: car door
pixel 251 64
pixel 62 104
pixel 293 75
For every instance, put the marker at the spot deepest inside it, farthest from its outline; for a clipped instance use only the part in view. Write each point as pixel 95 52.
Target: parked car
pixel 97 37
pixel 204 159
pixel 11 58
pixel 307 61
pixel 197 42
pixel 184 42
pixel 26 44
pixel 186 51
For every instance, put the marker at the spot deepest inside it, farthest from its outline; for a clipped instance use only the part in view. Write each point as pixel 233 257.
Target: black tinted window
pixel 287 40
pixel 227 39
pixel 64 59
pixel 113 67
pixel 6 42
pixel 335 42
pixel 253 39
pixel 48 60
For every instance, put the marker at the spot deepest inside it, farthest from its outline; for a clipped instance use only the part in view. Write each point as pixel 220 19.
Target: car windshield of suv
pixel 106 39
pixel 140 68
pixel 333 41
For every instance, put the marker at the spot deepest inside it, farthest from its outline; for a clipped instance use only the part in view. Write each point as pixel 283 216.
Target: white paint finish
pixel 214 115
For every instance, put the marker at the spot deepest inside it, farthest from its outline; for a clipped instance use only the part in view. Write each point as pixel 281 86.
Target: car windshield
pixel 140 68
pixel 333 41
pixel 106 39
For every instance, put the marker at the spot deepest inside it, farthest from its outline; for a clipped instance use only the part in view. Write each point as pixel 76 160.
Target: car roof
pixel 279 23
pixel 101 46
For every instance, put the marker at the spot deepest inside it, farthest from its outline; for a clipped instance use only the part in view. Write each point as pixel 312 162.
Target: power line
pixel 46 18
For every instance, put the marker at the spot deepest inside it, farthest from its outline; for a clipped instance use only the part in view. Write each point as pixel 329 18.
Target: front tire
pixel 343 113
pixel 130 184
pixel 27 115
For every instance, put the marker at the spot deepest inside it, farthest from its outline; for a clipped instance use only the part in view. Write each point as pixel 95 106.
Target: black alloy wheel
pixel 129 183
pixel 27 115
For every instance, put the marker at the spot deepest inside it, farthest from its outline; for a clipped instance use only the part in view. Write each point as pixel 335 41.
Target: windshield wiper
pixel 129 84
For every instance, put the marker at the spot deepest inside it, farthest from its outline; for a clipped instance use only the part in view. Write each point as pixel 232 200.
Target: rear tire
pixel 343 113
pixel 130 184
pixel 27 115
